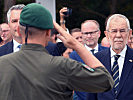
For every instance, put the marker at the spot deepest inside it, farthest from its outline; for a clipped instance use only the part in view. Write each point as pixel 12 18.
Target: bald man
pixel 105 42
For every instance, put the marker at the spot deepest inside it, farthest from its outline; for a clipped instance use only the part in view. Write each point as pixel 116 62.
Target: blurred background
pixel 81 10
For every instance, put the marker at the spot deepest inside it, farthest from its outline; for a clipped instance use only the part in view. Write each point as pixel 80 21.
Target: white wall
pixel 50 5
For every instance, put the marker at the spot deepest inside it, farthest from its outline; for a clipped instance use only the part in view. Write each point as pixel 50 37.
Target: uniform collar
pixel 33 47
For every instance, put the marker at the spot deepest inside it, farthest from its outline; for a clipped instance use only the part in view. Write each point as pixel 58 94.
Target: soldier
pixel 33 74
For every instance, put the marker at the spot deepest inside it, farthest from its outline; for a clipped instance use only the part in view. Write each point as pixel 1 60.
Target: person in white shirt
pixel 118 59
pixel 13 16
pixel 90 34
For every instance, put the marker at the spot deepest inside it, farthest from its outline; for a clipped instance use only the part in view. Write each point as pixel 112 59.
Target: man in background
pixel 130 42
pixel 90 34
pixel 13 16
pixel 5 35
pixel 52 47
pixel 105 42
pixel 76 33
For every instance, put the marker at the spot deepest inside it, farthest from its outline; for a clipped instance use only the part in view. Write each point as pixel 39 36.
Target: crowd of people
pixel 42 60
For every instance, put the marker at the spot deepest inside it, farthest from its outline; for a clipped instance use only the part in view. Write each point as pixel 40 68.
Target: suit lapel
pixel 9 47
pixel 107 63
pixel 128 65
pixel 107 60
pixel 99 47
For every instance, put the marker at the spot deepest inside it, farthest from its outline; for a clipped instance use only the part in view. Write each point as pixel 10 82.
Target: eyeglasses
pixel 122 31
pixel 90 33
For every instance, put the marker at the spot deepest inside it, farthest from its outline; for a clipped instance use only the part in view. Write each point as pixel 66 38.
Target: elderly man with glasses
pixel 90 34
pixel 118 59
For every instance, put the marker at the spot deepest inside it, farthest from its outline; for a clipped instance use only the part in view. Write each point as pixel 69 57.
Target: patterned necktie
pixel 115 71
pixel 93 51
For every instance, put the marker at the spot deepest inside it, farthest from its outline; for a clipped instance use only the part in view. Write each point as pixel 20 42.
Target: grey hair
pixel 114 16
pixel 15 7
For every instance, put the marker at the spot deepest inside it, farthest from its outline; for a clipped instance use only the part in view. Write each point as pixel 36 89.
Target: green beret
pixel 35 15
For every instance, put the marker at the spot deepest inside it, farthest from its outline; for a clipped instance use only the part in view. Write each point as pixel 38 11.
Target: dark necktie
pixel 93 51
pixel 115 71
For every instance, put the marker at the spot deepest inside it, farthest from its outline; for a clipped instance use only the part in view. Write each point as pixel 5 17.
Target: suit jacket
pixel 8 48
pixel 125 91
pixel 82 95
pixel 74 55
pixel 53 49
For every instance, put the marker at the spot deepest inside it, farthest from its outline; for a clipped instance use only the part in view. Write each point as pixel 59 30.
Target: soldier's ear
pixel 48 32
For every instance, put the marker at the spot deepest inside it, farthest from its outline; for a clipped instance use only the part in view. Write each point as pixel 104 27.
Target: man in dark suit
pixel 90 34
pixel 118 32
pixel 13 16
pixel 54 49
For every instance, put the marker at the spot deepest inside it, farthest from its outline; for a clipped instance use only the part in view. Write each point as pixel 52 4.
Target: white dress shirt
pixel 89 49
pixel 120 60
pixel 15 46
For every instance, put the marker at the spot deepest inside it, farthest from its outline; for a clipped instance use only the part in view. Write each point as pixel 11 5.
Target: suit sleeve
pixel 72 55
